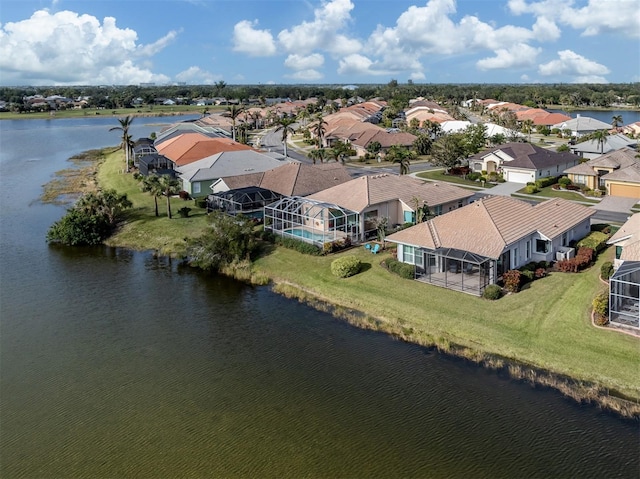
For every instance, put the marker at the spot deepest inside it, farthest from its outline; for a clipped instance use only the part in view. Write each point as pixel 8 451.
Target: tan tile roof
pixel 630 174
pixel 190 147
pixel 359 193
pixel 487 226
pixel 629 229
pixel 294 179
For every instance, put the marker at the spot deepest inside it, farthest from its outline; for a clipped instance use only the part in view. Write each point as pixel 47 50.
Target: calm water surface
pixel 628 116
pixel 119 364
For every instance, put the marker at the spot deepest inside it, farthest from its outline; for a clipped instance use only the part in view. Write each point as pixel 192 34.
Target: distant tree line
pixel 535 95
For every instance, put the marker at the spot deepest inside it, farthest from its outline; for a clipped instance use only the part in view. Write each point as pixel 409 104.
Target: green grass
pixel 549 192
pixel 439 175
pixel 117 112
pixel 142 229
pixel 547 325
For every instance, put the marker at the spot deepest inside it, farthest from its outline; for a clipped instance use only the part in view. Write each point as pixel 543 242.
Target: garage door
pixel 518 177
pixel 630 191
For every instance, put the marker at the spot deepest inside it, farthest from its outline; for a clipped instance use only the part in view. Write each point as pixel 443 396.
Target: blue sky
pixel 80 42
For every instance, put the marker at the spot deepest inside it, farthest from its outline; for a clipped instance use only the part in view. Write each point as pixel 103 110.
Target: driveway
pixel 618 204
pixel 503 189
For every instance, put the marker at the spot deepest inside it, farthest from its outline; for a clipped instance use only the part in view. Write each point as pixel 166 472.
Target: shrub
pixel 492 292
pixel 606 270
pixel 531 189
pixel 184 195
pixel 473 176
pixel 512 280
pixel 404 270
pixel 547 181
pixel 601 308
pixel 200 202
pixel 540 273
pixel 297 245
pixel 564 181
pixel 526 275
pixel 529 266
pixel 596 240
pixel 345 266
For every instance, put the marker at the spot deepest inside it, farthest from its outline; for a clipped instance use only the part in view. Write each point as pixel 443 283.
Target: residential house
pixel 471 247
pixel 353 209
pixel 593 148
pixel 632 130
pixel 190 147
pixel 198 176
pixel 616 172
pixel 624 284
pixel 582 125
pixel 252 191
pixel 522 162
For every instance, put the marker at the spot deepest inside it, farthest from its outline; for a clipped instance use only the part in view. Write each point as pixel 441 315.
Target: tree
pixel 447 151
pixel 318 154
pixel 125 124
pixel 151 185
pixel 339 151
pixel 422 144
pixel 285 125
pixel 401 155
pixel 423 212
pixel 319 128
pixel 475 138
pixel 374 147
pixel 616 121
pixel 527 127
pixel 230 239
pixel 601 138
pixel 169 186
pixel 106 203
pixel 233 112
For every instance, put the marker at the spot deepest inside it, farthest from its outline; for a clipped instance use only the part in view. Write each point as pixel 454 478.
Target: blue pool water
pixel 306 234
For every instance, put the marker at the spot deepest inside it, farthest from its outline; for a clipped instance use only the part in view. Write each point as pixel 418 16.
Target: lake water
pixel 628 116
pixel 121 364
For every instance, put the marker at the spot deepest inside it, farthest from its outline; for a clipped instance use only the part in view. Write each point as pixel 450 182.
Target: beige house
pixel 471 247
pixel 624 285
pixel 354 209
pixel 618 172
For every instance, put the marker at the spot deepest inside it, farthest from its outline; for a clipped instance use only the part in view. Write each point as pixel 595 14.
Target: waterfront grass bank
pixel 542 334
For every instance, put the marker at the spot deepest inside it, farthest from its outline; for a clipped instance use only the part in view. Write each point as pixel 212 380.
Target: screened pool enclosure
pixel 624 295
pixel 454 269
pixel 248 201
pixel 311 221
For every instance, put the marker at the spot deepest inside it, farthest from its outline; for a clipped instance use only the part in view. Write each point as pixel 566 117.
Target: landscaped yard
pixel 439 175
pixel 546 325
pixel 549 192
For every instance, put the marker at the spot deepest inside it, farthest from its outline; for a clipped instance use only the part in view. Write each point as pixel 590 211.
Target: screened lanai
pixel 249 201
pixel 311 221
pixel 624 295
pixel 455 269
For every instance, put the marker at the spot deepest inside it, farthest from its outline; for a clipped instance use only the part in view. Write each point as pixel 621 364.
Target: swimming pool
pixel 306 234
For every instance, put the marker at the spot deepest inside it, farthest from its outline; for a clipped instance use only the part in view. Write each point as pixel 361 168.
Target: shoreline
pixel 583 392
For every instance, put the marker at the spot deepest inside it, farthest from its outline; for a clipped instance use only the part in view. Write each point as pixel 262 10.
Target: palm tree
pixel 401 155
pixel 527 127
pixel 285 125
pixel 125 123
pixel 319 129
pixel 601 138
pixel 318 154
pixel 233 112
pixel 169 186
pixel 304 116
pixel 151 185
pixel 616 121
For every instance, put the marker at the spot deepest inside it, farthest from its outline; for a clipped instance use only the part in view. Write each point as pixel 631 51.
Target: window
pixel 196 187
pixel 408 254
pixel 542 246
pixel 618 251
pixel 460 204
pixel 409 217
pixel 528 249
pixel 516 260
pixel 437 210
pixel 580 179
pixel 564 239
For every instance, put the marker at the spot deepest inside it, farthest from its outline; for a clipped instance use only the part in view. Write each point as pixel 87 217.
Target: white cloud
pixel 417 76
pixel 546 30
pixel 68 48
pixel 323 32
pixel 304 62
pixel 573 64
pixel 254 42
pixel 197 76
pixel 308 75
pixel 596 17
pixel 516 56
pixel 356 64
pixel 590 79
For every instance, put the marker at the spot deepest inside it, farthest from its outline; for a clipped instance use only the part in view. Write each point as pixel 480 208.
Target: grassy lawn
pixel 158 110
pixel 546 325
pixel 440 176
pixel 143 230
pixel 549 192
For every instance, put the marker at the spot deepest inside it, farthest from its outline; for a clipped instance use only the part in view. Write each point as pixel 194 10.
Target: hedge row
pixel 404 270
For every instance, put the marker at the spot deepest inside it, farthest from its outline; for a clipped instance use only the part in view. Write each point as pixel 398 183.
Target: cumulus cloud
pixel 356 64
pixel 323 32
pixel 517 56
pixel 197 76
pixel 304 62
pixel 596 17
pixel 252 41
pixel 68 48
pixel 573 64
pixel 308 75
